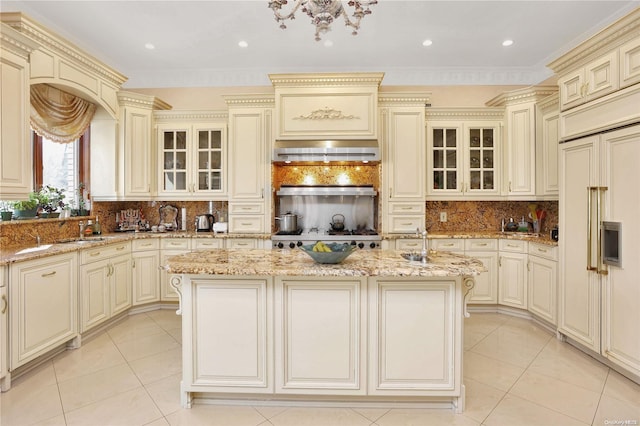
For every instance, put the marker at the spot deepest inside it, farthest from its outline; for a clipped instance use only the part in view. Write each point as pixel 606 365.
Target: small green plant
pixel 29 204
pixel 6 206
pixel 51 198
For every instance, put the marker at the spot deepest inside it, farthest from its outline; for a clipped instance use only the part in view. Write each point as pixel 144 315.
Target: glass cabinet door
pixel 174 152
pixel 209 160
pixel 445 159
pixel 481 161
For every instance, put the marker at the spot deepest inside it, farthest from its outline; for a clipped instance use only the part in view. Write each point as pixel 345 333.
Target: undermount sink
pixel 83 240
pixel 414 257
pixel 34 249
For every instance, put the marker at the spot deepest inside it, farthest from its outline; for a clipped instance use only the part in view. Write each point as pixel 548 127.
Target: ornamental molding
pixel 520 96
pixel 326 113
pixel 141 101
pixel 442 114
pixel 550 103
pixel 610 38
pixel 402 99
pixel 320 79
pixel 48 40
pixel 190 115
pixel 15 42
pixel 257 101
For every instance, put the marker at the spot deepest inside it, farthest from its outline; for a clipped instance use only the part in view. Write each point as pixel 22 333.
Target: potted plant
pixel 5 210
pixel 26 208
pixel 50 199
pixel 81 208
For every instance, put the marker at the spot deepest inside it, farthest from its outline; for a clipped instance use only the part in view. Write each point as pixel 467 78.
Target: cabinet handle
pixel 390 192
pixel 133 263
pixel 406 224
pixel 120 248
pixel 542 250
pixel 48 274
pixel 94 254
pixel 174 244
pixel 512 245
pixel 146 245
pixel 509 186
pixel 482 244
pixel 528 265
pixel 411 244
pixel 5 305
pixel 245 224
pixel 500 261
pixel 590 267
pixel 602 270
pixel 448 245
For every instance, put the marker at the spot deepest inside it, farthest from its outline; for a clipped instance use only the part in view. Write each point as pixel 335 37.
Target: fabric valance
pixel 59 116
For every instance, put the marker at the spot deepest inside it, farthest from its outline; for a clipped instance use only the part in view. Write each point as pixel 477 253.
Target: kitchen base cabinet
pixel 43 297
pixel 542 271
pixel 512 274
pixel 5 379
pixel 105 283
pixel 145 262
pixel 170 247
pixel 320 336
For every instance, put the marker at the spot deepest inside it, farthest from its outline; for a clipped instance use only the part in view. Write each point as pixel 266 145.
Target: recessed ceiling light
pixel 328 43
pixel 507 42
pixel 149 46
pixel 243 43
pixel 427 43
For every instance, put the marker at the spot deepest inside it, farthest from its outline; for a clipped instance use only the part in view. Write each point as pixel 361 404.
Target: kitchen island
pixel 276 327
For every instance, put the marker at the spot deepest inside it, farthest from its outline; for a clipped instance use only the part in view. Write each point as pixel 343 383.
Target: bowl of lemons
pixel 328 253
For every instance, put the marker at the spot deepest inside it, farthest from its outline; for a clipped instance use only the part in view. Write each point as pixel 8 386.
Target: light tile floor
pixel 515 373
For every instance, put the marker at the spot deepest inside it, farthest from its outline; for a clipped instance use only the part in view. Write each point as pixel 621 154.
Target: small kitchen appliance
pixel 204 222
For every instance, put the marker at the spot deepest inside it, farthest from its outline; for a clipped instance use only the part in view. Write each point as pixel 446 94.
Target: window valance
pixel 57 115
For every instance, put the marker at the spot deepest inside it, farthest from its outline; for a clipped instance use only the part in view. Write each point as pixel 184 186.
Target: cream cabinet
pixel 589 82
pixel 250 138
pixel 192 160
pixel 512 273
pixel 403 157
pixel 320 336
pixel 629 55
pixel 105 283
pixel 207 243
pixel 15 140
pixel 547 140
pixel 542 271
pixel 170 247
pixel 485 290
pixel 145 263
pixel 521 149
pixel 412 336
pixel 231 335
pixel 43 306
pixel 463 154
pixel 4 331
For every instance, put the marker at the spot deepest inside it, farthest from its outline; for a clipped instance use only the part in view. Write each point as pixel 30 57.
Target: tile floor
pixel 515 373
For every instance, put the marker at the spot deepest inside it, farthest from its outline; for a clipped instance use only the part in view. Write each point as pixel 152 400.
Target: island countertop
pixel 381 263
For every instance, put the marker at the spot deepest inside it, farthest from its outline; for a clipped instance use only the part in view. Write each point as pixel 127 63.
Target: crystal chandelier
pixel 323 12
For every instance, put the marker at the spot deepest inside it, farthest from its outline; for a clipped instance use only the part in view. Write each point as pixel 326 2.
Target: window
pixel 62 165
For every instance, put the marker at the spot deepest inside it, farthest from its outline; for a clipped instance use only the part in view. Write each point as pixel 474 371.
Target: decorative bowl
pixel 339 252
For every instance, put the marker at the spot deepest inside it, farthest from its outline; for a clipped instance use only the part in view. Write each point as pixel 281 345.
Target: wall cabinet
pixel 145 263
pixel 15 140
pixel 547 140
pixel 403 158
pixel 542 278
pixel 192 160
pixel 320 336
pixel 589 82
pixel 105 283
pixel 43 301
pixel 464 154
pixel 629 55
pixel 512 273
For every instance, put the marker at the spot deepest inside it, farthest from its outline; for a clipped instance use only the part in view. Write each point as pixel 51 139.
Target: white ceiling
pixel 196 42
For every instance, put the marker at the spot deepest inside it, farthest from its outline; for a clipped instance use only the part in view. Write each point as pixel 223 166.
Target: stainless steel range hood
pixel 326 151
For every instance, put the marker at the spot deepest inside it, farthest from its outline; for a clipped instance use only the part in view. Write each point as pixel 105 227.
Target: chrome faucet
pixel 423 252
pixel 82 227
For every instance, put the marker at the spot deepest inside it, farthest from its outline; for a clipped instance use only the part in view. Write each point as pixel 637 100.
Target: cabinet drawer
pixel 409 244
pixel 146 244
pixel 406 208
pixel 481 244
pixel 175 244
pixel 246 224
pixel 543 250
pixel 447 244
pixel 104 252
pixel 242 243
pixel 246 208
pixel 514 246
pixel 207 243
pixel 405 224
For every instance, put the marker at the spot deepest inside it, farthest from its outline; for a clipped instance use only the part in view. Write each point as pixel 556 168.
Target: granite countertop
pixel 535 238
pixel 383 263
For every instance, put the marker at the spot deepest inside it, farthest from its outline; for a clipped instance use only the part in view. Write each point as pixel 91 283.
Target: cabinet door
pixel 579 289
pixel 630 63
pixel 94 294
pixel 541 282
pixel 444 143
pixel 15 143
pixel 146 277
pixel 572 89
pixel 139 154
pixel 210 159
pixel 547 155
pixel 246 154
pixel 173 160
pixel 319 336
pixel 231 323
pixel 521 149
pixel 241 243
pixel 512 280
pixel 405 153
pixel 412 336
pixel 601 76
pixel 44 306
pixel 482 159
pixel 485 289
pixel 4 330
pixel 120 277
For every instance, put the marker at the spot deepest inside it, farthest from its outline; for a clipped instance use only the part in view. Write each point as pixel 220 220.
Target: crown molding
pixel 611 37
pixel 403 99
pixel 249 100
pixel 141 101
pixel 190 115
pixel 326 79
pixel 456 114
pixel 15 42
pixel 550 103
pixel 519 96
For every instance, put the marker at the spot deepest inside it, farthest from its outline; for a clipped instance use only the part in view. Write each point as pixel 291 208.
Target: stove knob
pixel 299 243
pixel 292 245
pixel 361 245
pixel 353 243
pixel 280 245
pixel 372 245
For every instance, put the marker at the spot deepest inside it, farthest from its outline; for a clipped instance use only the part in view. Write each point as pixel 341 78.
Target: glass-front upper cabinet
pixel 192 159
pixel 463 159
